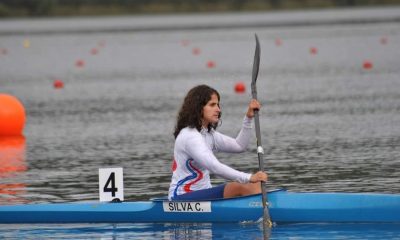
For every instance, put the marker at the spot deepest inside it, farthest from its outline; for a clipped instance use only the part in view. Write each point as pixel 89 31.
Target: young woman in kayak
pixel 196 140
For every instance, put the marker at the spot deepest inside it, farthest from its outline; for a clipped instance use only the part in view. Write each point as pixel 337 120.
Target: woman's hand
pixel 259 177
pixel 254 105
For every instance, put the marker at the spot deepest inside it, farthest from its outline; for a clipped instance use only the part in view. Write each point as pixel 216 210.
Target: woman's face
pixel 211 111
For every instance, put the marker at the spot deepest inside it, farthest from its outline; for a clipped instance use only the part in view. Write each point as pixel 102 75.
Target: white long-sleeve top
pixel 194 158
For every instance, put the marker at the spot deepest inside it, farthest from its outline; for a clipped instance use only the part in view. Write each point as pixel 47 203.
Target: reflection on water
pixel 12 162
pixel 204 231
pixel 12 155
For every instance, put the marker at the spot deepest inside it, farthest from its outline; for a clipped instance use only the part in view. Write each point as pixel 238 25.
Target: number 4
pixel 111 184
pixel 112 189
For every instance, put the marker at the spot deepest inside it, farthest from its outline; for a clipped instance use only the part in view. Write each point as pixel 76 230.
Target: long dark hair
pixel 191 112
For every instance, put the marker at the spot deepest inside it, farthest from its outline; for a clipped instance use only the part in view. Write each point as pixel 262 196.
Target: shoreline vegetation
pixel 66 8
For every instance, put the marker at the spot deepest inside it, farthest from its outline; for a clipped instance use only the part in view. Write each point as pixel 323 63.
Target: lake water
pixel 328 123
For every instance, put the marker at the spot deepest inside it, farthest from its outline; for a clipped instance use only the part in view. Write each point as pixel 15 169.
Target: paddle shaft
pixel 260 151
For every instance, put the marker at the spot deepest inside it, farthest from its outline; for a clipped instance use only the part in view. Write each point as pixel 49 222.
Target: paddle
pixel 260 151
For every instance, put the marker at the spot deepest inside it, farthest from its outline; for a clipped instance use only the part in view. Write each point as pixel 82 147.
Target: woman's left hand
pixel 259 177
pixel 254 105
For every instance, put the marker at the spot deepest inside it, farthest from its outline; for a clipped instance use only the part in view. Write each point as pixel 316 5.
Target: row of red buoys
pixel 367 64
pixel 239 87
pixel 196 51
pixel 80 64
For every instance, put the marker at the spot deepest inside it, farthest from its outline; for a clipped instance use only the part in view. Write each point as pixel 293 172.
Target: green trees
pixel 9 8
pixel 26 7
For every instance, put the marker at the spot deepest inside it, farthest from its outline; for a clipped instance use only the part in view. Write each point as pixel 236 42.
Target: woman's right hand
pixel 253 106
pixel 259 177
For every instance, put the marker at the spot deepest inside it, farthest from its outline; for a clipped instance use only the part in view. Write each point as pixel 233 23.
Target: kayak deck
pixel 159 210
pixel 284 207
pixel 334 207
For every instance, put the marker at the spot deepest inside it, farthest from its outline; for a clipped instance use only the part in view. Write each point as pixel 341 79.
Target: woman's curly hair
pixel 191 112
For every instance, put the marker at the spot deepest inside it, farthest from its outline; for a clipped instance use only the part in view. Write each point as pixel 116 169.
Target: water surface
pixel 327 123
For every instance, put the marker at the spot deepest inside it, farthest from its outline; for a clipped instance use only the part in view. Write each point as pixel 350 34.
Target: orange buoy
pixel 240 87
pixel 211 64
pixel 80 63
pixel 313 50
pixel 12 116
pixel 367 65
pixel 196 51
pixel 58 84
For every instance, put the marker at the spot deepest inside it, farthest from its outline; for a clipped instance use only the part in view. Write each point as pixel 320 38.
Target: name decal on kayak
pixel 187 207
pixel 255 204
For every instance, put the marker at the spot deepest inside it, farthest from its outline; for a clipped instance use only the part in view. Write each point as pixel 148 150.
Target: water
pixel 201 231
pixel 327 124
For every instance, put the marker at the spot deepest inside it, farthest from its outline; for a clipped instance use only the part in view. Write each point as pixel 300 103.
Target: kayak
pixel 284 207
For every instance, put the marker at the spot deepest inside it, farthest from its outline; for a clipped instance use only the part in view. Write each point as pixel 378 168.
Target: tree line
pixel 22 8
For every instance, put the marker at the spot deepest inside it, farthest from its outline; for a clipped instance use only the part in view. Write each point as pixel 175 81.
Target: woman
pixel 196 139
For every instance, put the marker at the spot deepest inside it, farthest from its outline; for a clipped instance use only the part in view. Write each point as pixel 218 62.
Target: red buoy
pixel 313 50
pixel 196 51
pixel 240 87
pixel 211 64
pixel 80 63
pixel 384 40
pixel 94 51
pixel 102 44
pixel 58 84
pixel 367 65
pixel 185 42
pixel 12 116
pixel 278 42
